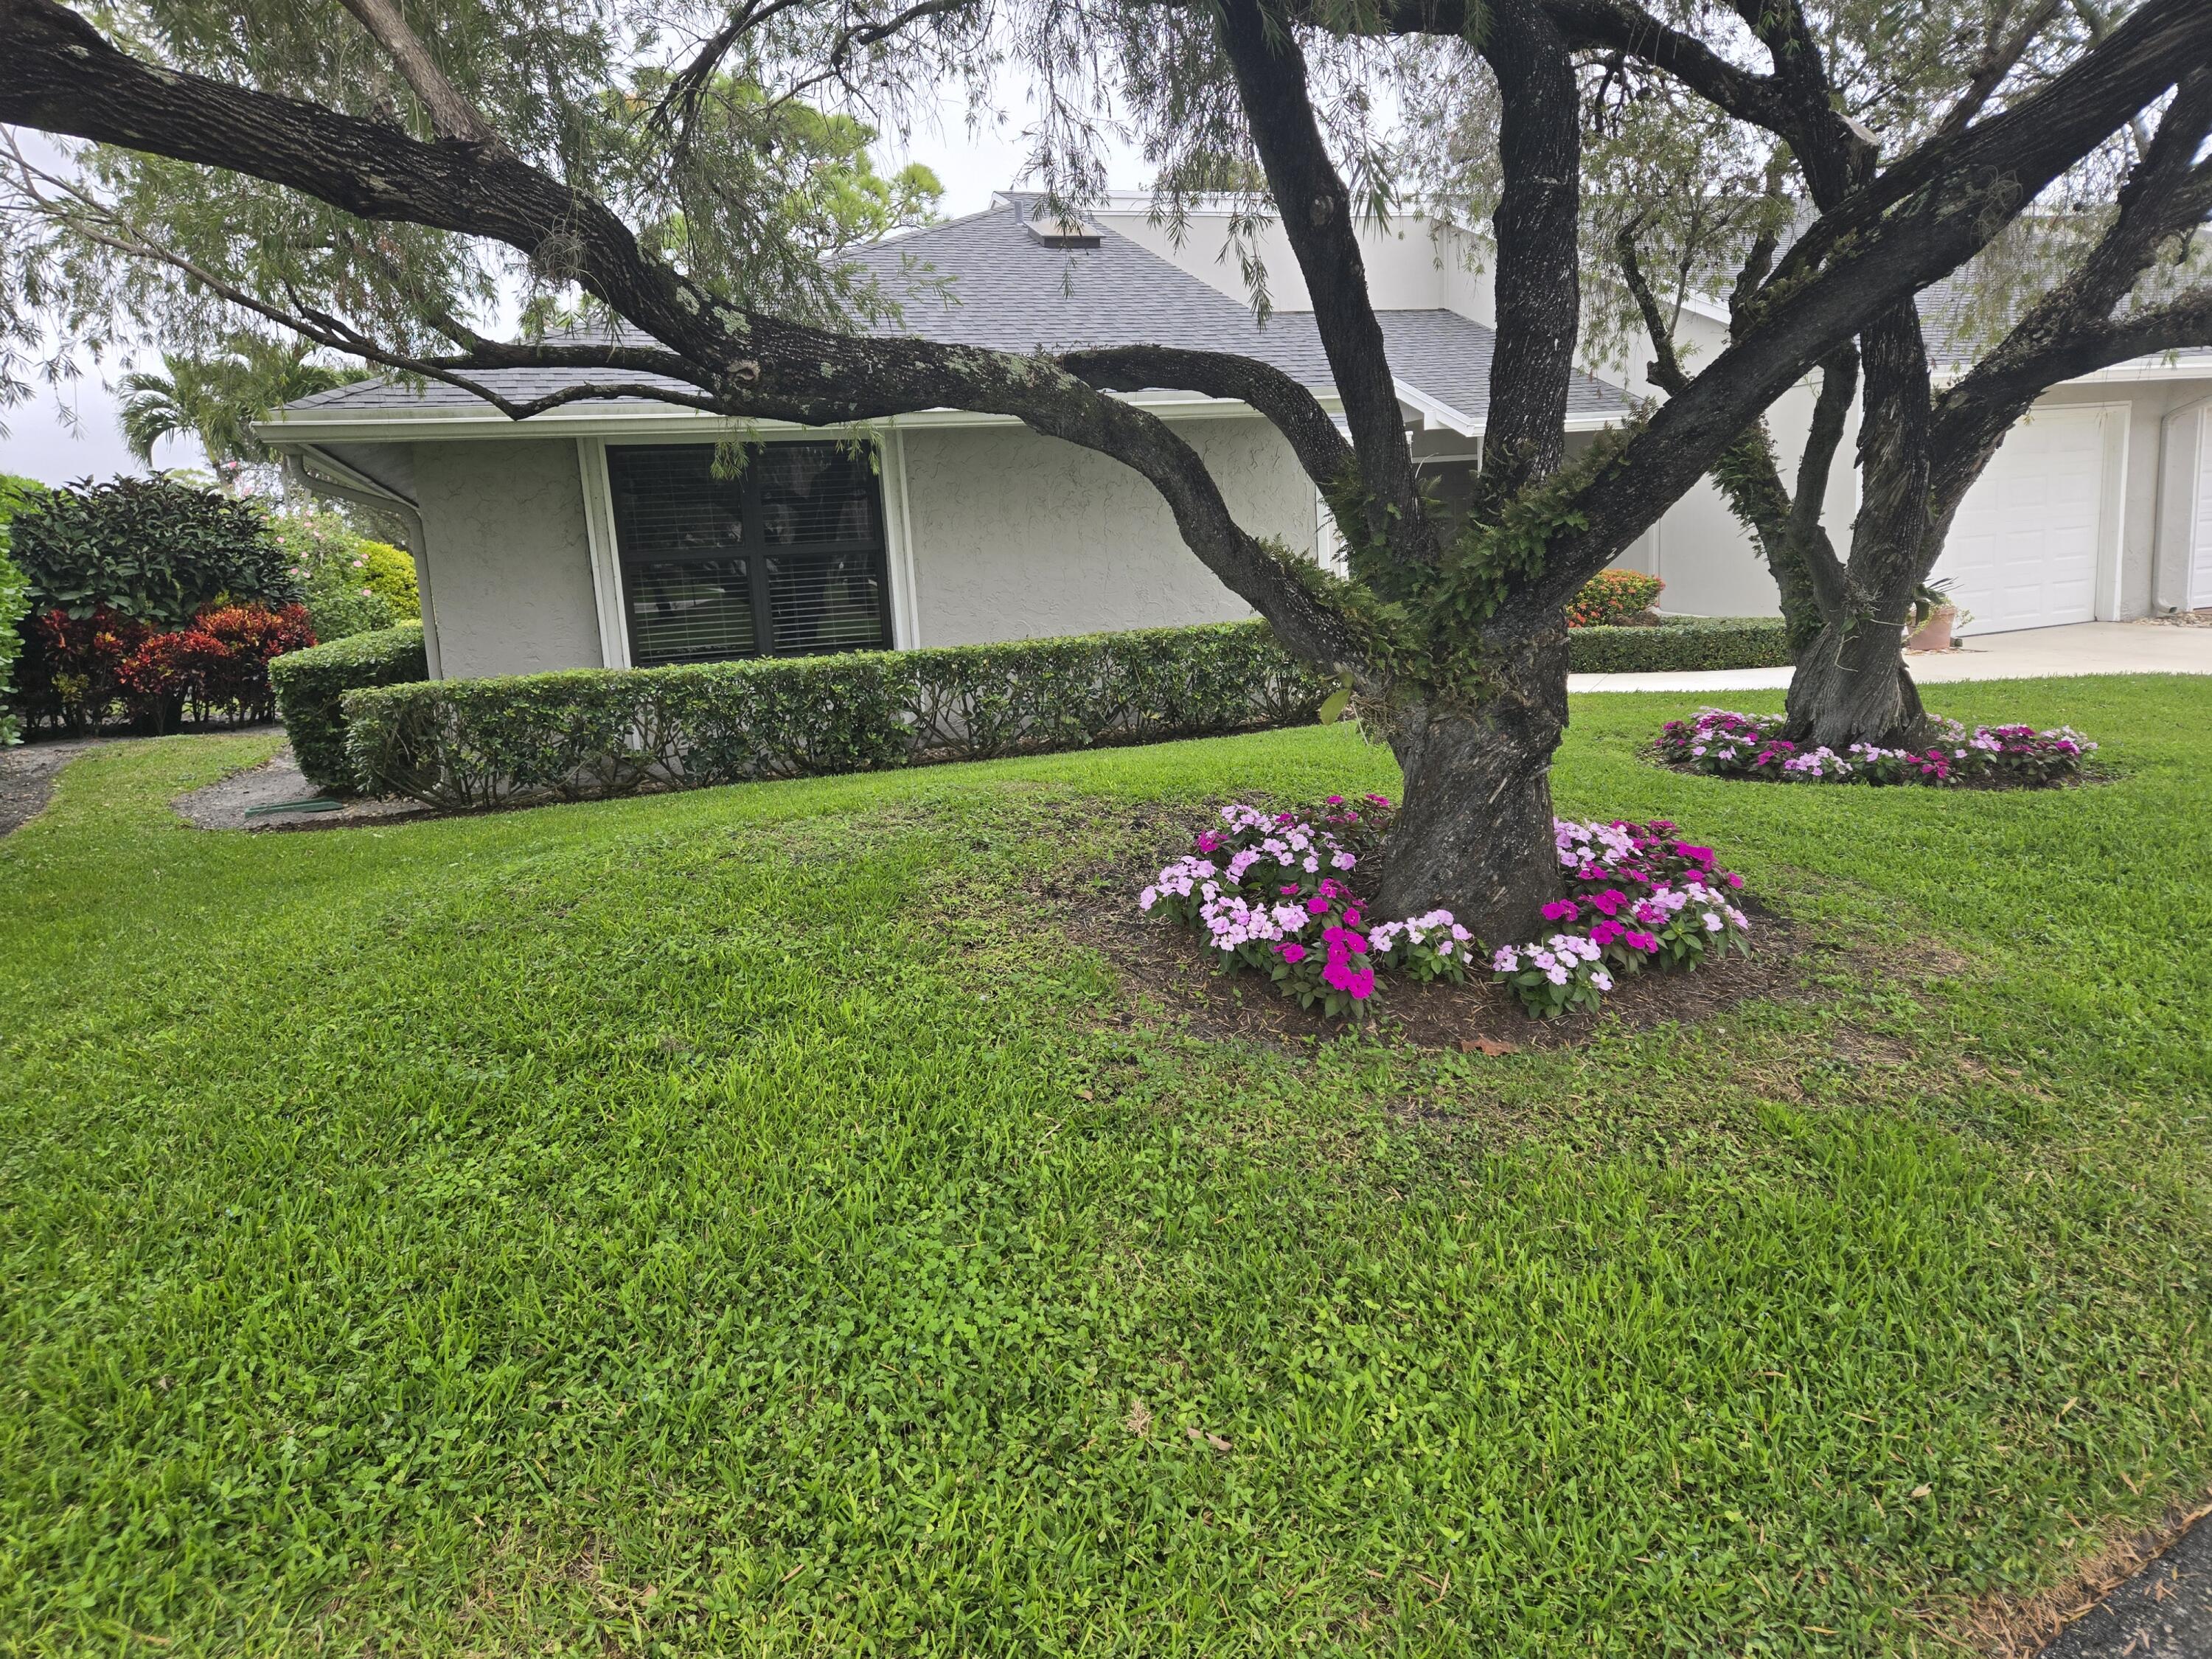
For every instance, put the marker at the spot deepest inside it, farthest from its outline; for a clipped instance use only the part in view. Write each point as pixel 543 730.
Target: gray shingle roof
pixel 986 280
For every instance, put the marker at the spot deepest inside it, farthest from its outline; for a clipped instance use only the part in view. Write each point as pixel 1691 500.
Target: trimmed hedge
pixel 310 683
pixel 592 733
pixel 1681 644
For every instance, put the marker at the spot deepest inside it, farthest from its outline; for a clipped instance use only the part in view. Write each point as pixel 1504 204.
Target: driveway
pixel 2032 654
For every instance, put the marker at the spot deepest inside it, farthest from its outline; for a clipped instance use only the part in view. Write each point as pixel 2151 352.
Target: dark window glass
pixel 697 610
pixel 796 540
pixel 812 494
pixel 669 504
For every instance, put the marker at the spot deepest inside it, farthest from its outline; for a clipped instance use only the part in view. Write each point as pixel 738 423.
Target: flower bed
pixel 1721 744
pixel 1637 897
pixel 1275 892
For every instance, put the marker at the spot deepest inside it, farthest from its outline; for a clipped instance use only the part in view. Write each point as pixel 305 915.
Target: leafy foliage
pixel 310 686
pixel 151 550
pixel 1680 645
pixel 217 399
pixel 349 584
pixel 592 733
pixel 15 605
pixel 70 674
pixel 1612 597
pixel 15 494
pixel 219 666
pixel 389 572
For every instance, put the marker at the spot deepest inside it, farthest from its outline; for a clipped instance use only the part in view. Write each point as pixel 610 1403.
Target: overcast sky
pixel 40 444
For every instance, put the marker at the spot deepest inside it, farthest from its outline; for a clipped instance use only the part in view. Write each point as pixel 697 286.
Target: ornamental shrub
pixel 151 550
pixel 15 604
pixel 308 685
pixel 70 672
pixel 590 732
pixel 336 573
pixel 389 573
pixel 1612 598
pixel 1680 645
pixel 1720 744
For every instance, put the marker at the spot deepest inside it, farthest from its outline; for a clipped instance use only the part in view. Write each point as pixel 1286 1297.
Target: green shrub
pixel 310 683
pixel 590 732
pixel 15 494
pixel 15 602
pixel 391 574
pixel 336 573
pixel 151 550
pixel 1612 598
pixel 1679 645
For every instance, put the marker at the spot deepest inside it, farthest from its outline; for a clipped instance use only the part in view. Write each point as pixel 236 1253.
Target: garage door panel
pixel 2023 549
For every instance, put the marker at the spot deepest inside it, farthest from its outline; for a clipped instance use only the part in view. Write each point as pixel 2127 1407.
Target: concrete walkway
pixel 2034 654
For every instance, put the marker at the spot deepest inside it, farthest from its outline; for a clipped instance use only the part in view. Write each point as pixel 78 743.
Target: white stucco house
pixel 595 535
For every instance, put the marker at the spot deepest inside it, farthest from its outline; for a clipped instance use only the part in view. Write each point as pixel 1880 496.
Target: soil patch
pixel 275 796
pixel 1164 962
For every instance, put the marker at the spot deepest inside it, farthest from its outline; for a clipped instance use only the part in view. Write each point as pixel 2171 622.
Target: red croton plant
pixel 216 667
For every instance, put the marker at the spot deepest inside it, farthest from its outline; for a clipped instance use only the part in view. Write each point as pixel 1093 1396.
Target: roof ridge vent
pixel 1062 233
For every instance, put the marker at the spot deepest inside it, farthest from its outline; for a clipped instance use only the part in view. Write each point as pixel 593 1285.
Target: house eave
pixel 622 423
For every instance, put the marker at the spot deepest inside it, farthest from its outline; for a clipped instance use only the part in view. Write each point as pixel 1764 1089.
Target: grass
pixel 739 1223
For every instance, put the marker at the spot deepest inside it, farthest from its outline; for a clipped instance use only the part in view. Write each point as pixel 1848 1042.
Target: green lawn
pixel 738 1223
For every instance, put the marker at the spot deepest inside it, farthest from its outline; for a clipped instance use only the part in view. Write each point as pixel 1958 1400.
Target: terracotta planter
pixel 1934 634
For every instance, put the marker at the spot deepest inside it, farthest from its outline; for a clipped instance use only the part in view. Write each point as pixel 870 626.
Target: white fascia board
pixel 2135 370
pixel 420 425
pixel 1435 411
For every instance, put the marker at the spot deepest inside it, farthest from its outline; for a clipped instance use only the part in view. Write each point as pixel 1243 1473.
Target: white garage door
pixel 2023 549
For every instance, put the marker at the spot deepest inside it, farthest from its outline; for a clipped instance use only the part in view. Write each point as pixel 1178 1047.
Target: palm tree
pixel 218 398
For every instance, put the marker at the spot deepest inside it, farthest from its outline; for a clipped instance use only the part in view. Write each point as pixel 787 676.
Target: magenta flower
pixel 1293 952
pixel 1562 910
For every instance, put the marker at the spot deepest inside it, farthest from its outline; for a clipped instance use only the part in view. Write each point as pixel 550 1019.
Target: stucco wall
pixel 1017 536
pixel 504 519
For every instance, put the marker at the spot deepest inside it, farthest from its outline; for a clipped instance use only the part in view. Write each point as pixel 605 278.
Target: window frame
pixel 754 548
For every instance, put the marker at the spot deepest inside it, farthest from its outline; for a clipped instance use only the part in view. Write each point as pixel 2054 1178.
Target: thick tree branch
pixel 1923 219
pixel 2017 152
pixel 1318 220
pixel 1313 437
pixel 61 75
pixel 2072 330
pixel 1538 280
pixel 1794 541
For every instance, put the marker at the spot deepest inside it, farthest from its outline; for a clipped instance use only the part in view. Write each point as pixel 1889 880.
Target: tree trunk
pixel 1474 833
pixel 1852 687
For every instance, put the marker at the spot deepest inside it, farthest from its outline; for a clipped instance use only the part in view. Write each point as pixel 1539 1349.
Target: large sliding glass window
pixel 784 560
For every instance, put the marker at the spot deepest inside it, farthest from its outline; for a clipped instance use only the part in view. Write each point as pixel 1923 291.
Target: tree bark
pixel 1853 687
pixel 1474 833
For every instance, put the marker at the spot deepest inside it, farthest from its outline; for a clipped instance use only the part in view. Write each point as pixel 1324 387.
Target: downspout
pixel 331 478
